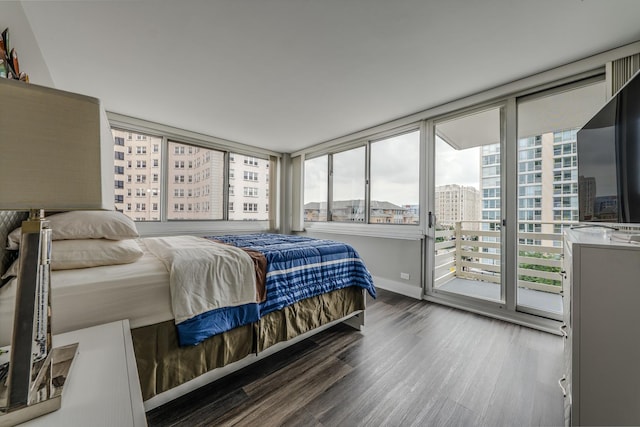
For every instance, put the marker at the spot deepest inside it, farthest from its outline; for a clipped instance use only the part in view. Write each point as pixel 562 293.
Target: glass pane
pixel 548 190
pixel 347 204
pixel 395 177
pixel 137 175
pixel 468 206
pixel 249 189
pixel 316 178
pixel 196 177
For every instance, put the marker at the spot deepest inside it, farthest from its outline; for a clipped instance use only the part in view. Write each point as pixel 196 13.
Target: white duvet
pixel 204 275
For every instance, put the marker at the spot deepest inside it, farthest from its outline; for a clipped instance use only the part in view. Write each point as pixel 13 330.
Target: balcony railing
pixel 466 251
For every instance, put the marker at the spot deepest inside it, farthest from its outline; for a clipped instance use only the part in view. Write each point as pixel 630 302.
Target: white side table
pixel 103 387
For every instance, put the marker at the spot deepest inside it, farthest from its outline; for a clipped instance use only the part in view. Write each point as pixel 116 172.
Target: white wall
pixel 386 258
pixel 12 16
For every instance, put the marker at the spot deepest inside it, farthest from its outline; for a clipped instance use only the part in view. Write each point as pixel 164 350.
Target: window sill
pixel 390 231
pixel 200 228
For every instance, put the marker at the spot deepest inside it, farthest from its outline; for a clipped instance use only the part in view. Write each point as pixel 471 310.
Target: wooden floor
pixel 415 364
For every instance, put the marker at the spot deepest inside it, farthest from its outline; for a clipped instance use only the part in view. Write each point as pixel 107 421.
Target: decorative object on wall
pixel 9 66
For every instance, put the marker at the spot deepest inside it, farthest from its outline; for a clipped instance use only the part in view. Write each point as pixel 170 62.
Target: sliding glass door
pixel 548 188
pixel 504 184
pixel 466 218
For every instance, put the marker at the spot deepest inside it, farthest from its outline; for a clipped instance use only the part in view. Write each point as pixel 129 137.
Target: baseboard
pixel 398 287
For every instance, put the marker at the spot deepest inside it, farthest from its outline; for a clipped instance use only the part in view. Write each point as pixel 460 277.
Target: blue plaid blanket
pixel 300 267
pixel 297 268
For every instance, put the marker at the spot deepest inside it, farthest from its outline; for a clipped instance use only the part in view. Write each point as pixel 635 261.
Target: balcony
pixel 467 262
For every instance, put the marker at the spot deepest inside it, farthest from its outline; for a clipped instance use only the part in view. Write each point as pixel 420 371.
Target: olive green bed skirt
pixel 163 365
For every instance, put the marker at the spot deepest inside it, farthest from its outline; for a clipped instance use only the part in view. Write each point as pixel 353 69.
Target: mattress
pixel 86 297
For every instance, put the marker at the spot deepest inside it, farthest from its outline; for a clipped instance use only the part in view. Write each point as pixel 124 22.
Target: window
pixel 347 204
pixel 250 192
pixel 250 176
pixel 198 194
pixel 250 207
pixel 142 144
pixel 254 192
pixel 205 182
pixel 316 186
pixel 251 161
pixel 395 177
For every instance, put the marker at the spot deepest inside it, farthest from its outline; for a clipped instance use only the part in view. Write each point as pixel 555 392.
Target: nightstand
pixel 103 387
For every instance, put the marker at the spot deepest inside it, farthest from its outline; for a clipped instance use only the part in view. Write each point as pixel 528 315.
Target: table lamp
pixel 56 154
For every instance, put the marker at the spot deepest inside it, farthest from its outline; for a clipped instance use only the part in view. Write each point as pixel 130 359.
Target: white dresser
pixel 103 387
pixel 601 293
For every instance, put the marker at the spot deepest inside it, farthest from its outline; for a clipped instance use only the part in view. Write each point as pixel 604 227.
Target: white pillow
pixel 74 225
pixel 69 254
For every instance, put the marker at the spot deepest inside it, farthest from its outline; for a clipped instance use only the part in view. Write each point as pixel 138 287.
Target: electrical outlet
pixel 405 276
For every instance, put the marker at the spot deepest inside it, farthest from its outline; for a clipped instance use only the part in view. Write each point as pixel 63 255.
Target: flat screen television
pixel 608 149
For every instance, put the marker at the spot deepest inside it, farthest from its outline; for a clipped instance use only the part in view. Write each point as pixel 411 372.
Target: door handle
pixel 432 219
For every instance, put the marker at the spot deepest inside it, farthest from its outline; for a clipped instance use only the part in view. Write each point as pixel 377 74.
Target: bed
pixel 142 292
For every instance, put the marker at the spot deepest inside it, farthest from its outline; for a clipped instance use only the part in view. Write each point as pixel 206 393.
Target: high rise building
pixel 195 187
pixel 454 203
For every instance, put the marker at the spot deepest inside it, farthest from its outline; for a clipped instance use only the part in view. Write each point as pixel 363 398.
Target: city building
pixel 353 211
pixel 455 203
pixel 195 181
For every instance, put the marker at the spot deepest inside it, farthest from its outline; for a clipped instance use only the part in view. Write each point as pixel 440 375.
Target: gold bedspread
pixel 163 365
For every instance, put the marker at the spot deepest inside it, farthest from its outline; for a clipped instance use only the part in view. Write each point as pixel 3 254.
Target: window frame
pixel 165 226
pixel 366 228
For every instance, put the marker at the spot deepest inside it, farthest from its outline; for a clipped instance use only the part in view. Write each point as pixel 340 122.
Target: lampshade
pixel 56 150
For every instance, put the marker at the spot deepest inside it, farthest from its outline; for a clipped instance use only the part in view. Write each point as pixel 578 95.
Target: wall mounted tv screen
pixel 609 160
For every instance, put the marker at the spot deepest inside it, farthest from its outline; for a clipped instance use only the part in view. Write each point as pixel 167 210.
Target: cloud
pixel 457 166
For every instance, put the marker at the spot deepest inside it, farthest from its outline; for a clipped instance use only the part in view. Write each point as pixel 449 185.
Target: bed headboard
pixel 9 221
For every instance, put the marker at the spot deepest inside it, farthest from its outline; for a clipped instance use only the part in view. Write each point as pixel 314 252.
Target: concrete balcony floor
pixel 543 301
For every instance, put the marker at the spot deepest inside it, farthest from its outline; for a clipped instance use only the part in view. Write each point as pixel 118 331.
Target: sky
pixel 457 166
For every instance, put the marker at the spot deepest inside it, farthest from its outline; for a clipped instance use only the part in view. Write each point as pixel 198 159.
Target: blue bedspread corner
pixel 205 325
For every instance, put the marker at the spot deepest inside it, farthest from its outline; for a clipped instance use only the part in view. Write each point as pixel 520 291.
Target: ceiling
pixel 287 74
